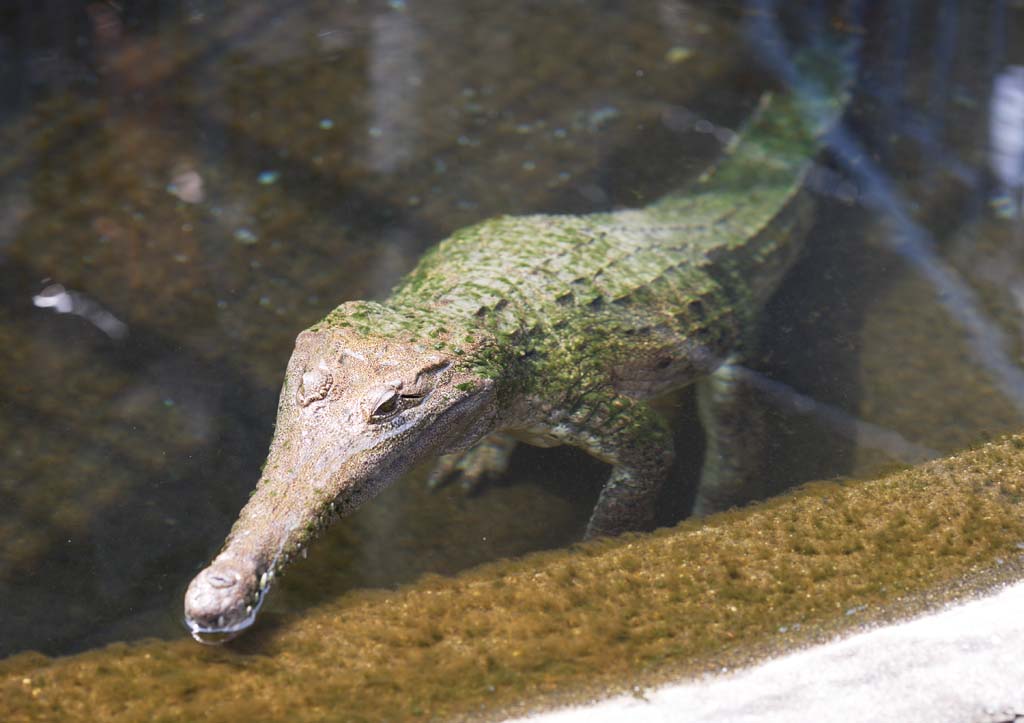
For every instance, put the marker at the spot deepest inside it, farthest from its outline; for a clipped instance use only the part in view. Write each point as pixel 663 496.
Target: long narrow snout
pixel 294 501
pixel 288 509
pixel 223 599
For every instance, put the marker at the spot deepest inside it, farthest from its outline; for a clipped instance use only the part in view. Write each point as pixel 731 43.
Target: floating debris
pixel 65 301
pixel 678 54
pixel 187 186
pixel 267 178
pixel 602 116
pixel 245 236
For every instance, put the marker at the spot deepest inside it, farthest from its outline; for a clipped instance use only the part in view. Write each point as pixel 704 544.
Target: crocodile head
pixel 355 413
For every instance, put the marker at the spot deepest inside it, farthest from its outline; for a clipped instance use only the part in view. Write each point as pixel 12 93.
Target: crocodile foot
pixel 485 461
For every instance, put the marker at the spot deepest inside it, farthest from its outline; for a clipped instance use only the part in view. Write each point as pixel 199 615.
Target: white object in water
pixel 63 301
pixel 1006 138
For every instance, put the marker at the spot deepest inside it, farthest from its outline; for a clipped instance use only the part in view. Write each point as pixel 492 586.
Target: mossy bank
pixel 602 616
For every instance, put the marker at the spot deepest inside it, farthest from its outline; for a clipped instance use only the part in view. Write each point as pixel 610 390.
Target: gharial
pixel 550 329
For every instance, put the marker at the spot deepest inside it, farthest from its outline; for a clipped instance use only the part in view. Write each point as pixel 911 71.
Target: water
pixel 185 186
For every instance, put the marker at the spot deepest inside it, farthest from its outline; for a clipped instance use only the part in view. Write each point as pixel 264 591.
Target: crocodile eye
pixel 313 386
pixel 386 405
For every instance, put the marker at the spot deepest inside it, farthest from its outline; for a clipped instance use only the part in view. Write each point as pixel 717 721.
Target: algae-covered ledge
pixel 604 616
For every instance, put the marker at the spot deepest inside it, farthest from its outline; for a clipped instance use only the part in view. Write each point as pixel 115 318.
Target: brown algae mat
pixel 601 617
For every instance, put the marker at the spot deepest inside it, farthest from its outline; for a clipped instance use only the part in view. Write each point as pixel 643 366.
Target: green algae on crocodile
pixel 546 329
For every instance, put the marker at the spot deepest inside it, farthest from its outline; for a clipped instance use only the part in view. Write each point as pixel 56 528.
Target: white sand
pixel 961 665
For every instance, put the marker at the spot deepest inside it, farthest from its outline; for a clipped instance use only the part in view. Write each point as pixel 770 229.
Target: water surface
pixel 185 186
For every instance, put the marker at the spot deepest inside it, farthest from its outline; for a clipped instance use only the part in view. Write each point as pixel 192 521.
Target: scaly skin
pixel 552 329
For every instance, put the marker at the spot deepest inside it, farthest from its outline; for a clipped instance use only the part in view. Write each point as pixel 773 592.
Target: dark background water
pixel 184 186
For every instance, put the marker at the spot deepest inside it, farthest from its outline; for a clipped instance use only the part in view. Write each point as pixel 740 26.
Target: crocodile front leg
pixel 486 460
pixel 637 442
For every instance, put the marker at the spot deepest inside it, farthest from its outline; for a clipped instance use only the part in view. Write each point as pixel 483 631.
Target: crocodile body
pixel 550 329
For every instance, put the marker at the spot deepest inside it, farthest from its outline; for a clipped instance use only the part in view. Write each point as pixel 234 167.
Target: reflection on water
pixel 193 183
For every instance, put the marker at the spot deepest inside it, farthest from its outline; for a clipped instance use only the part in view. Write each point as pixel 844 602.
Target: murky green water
pixel 193 183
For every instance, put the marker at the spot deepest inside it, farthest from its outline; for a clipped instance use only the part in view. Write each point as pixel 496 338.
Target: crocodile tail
pixel 787 129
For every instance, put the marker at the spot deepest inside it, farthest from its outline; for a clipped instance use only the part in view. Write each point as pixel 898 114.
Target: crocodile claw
pixel 474 467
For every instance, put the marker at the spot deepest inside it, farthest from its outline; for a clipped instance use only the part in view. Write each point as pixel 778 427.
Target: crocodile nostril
pixel 222 580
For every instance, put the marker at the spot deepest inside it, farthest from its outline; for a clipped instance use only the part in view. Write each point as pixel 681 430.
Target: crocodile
pixel 548 329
